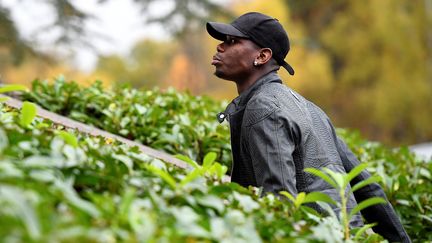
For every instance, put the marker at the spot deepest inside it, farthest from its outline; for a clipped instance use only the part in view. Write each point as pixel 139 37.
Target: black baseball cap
pixel 264 30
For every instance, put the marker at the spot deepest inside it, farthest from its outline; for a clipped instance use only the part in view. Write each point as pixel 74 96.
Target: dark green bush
pixel 181 123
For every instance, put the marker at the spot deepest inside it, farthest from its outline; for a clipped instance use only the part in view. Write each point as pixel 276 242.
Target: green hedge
pixel 61 186
pixel 183 124
pixel 407 181
pixel 175 122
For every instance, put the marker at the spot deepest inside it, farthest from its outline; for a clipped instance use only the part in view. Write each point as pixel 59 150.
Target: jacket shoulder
pixel 262 104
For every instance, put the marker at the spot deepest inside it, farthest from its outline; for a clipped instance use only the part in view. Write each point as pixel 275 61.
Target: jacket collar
pixel 240 101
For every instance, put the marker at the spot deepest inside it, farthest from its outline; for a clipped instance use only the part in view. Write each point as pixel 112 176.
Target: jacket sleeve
pixel 389 225
pixel 270 143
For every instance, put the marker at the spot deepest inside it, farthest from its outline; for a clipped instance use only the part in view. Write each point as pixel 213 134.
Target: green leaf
pixel 362 230
pixel 23 208
pixel 246 202
pixel 218 170
pixel 125 159
pixel 187 221
pixel 187 160
pixel 212 202
pixel 426 173
pixel 68 138
pixel 28 113
pixel 361 184
pixel 339 178
pixel 42 175
pixel 12 87
pixel 3 99
pixel 288 195
pixel 126 202
pixel 4 141
pixel 366 203
pixel 403 202
pixel 321 175
pixel 191 176
pixel 209 159
pixel 163 175
pixel 312 213
pixel 356 171
pixel 318 197
pixel 427 218
pixel 416 200
pixel 72 197
pixel 299 199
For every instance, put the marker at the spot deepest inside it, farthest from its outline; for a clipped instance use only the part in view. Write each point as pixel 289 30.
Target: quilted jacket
pixel 276 133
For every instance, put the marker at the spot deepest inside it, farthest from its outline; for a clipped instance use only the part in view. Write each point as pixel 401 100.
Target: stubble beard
pixel 218 74
pixel 221 75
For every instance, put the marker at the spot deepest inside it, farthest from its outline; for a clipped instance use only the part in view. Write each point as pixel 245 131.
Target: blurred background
pixel 368 63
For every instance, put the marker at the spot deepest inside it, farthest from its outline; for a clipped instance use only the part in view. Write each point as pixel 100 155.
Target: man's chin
pixel 220 74
pixel 223 75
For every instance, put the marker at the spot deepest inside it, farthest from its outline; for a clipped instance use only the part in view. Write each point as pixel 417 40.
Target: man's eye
pixel 230 41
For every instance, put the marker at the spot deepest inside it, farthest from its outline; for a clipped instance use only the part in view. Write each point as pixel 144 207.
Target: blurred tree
pixel 113 66
pixel 13 48
pixel 145 66
pixel 191 63
pixel 380 54
pixel 182 19
pixel 32 69
pixel 10 43
pixel 68 22
pixel 185 20
pixel 69 25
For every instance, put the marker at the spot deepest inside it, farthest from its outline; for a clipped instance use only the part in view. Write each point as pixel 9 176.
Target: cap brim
pixel 219 31
pixel 288 68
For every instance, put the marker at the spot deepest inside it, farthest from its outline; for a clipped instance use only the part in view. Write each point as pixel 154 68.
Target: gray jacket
pixel 276 133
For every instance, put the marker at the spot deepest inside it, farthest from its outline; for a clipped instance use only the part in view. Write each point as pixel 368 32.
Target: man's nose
pixel 220 47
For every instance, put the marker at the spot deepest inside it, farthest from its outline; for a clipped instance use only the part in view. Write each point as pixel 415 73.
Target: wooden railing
pixel 84 128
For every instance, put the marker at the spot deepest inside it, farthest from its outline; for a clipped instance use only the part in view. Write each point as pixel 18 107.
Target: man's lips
pixel 215 60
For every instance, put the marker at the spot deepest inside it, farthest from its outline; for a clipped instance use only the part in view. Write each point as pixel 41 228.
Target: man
pixel 275 132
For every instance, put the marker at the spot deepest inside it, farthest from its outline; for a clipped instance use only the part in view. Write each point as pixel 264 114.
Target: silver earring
pixel 255 63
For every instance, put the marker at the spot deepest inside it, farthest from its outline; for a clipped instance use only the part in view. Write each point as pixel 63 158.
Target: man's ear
pixel 265 55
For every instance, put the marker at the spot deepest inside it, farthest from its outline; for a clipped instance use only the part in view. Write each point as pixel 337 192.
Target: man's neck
pixel 246 83
pixel 242 86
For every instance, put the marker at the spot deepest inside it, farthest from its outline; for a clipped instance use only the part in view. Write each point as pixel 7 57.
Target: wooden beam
pixel 81 127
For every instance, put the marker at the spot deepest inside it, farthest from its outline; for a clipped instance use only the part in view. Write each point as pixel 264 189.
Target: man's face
pixel 234 58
